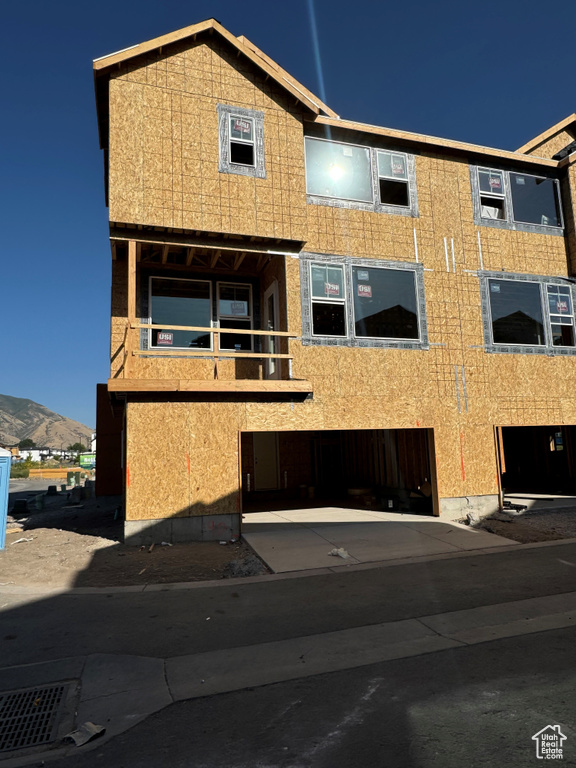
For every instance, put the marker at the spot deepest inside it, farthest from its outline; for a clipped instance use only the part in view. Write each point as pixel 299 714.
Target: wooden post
pixel 132 335
pixel 216 336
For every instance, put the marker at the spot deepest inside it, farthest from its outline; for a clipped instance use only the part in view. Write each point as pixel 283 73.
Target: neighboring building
pixel 305 305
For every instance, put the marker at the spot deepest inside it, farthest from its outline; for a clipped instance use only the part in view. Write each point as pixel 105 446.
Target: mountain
pixel 21 418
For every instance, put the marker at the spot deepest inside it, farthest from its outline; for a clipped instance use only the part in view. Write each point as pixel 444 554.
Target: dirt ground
pixel 531 527
pixel 64 545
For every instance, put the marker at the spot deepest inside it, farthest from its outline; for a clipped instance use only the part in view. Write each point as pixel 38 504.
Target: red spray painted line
pixel 127 476
pixel 462 456
pixel 188 462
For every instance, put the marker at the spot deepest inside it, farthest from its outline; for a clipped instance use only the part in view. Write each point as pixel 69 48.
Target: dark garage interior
pixel 384 469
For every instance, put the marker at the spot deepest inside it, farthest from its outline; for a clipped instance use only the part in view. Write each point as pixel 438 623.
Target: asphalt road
pixel 474 706
pixel 165 623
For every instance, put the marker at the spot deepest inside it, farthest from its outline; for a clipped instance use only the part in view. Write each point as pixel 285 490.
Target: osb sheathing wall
pixel 164 171
pixel 164 127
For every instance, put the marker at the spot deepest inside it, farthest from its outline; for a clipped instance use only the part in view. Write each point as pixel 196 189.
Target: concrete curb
pixel 269 577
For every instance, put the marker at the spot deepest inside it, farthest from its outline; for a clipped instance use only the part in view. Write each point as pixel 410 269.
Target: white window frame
pixel 552 315
pixel 220 316
pixel 251 142
pixel 406 180
pixel 150 296
pixel 329 299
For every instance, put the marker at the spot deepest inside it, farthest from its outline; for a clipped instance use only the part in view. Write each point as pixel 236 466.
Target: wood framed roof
pixel 547 134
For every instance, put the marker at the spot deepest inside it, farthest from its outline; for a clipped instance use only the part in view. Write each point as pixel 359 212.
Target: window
pixel 235 312
pixel 535 200
pixel 385 303
pixel 393 179
pixel 355 176
pixel 180 302
pixel 338 170
pixel 516 311
pixel 561 315
pixel 492 195
pixel 365 303
pixel 513 200
pixel 241 137
pixel 528 313
pixel 242 140
pixel 328 300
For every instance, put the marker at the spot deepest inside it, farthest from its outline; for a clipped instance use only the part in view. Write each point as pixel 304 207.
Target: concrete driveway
pixel 301 539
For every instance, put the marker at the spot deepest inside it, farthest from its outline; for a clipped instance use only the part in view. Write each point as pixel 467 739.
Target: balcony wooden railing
pixel 131 345
pixel 129 349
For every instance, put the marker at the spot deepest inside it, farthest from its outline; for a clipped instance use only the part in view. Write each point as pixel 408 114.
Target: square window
pixel 535 200
pixel 338 170
pixel 516 312
pixel 180 302
pixel 385 305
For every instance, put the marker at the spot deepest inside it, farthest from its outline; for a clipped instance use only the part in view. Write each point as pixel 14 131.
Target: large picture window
pixel 338 170
pixel 364 302
pixel 385 303
pixel 356 176
pixel 528 314
pixel 512 200
pixel 180 302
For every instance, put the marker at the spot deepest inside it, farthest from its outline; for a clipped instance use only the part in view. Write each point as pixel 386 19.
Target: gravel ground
pixel 530 527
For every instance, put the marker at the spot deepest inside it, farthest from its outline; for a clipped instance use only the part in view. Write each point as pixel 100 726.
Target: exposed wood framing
pixel 238 260
pixel 207 385
pixel 215 259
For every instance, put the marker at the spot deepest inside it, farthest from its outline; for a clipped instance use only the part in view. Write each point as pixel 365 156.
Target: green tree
pixel 26 444
pixel 77 448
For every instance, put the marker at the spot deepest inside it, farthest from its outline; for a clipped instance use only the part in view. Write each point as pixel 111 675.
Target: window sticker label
pixel 495 183
pixel 242 126
pixel 365 291
pixel 520 180
pixel 494 287
pixel 331 289
pixel 239 308
pixel 363 274
pixel 398 168
pixel 165 339
pixel 562 306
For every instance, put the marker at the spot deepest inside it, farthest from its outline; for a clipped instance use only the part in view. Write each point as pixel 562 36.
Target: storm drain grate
pixel 30 717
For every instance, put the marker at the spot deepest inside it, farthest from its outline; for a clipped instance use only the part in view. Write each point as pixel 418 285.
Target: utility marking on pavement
pixel 567 563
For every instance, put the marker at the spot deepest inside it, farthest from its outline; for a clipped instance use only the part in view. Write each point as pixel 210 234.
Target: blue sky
pixel 493 73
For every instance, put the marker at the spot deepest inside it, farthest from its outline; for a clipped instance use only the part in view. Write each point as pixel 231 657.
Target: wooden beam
pixel 189 256
pixel 132 281
pixel 261 260
pixel 207 353
pixel 131 335
pixel 238 260
pixel 113 249
pixel 210 385
pixel 215 259
pixel 165 251
pixel 206 329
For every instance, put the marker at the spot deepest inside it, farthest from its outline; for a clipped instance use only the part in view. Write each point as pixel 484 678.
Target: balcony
pixel 239 348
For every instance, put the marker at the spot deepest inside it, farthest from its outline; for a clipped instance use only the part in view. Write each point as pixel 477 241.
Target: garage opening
pixel 537 459
pixel 384 469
